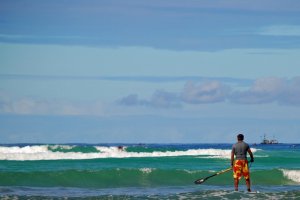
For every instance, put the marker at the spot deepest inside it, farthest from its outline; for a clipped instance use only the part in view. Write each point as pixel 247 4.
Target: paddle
pixel 202 180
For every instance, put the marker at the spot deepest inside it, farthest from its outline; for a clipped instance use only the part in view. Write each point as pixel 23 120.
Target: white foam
pixel 65 147
pixel 191 171
pixel 24 150
pixel 42 152
pixel 146 170
pixel 39 152
pixel 293 175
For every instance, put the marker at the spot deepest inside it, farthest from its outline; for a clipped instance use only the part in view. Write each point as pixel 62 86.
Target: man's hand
pixel 252 160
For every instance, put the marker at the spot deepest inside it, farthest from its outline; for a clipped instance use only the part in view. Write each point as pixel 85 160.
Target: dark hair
pixel 240 137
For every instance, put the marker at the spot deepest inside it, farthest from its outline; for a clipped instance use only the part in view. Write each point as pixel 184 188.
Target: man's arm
pixel 251 155
pixel 232 157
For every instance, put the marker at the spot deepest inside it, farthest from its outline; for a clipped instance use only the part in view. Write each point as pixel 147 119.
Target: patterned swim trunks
pixel 240 169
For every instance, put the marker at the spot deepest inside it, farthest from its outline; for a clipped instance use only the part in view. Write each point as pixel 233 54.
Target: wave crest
pixel 48 152
pixel 293 175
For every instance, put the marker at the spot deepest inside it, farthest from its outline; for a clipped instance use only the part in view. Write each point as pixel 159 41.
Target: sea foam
pixel 293 175
pixel 43 152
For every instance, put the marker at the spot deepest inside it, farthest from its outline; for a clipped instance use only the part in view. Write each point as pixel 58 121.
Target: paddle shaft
pixel 199 181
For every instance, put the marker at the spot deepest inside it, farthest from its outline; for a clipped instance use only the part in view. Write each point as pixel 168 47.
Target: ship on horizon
pixel 268 141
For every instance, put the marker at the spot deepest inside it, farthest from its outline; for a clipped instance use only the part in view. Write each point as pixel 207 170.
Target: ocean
pixel 143 171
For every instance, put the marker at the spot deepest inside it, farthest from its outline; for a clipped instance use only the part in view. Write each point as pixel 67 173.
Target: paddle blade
pixel 199 181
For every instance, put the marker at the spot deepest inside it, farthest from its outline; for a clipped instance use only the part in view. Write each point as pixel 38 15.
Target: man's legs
pixel 247 176
pixel 248 184
pixel 236 184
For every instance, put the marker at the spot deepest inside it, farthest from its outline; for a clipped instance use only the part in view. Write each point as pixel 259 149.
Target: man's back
pixel 240 150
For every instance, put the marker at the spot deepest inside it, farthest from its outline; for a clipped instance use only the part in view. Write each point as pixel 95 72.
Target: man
pixel 240 164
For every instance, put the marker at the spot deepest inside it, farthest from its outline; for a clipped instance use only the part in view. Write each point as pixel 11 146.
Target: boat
pixel 269 141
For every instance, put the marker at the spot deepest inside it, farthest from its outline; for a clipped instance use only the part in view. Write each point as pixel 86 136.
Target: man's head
pixel 240 137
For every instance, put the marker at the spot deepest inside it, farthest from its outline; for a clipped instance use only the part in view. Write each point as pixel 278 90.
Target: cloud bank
pixel 264 90
pixel 269 90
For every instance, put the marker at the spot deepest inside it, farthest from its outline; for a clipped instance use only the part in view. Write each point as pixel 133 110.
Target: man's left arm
pixel 232 157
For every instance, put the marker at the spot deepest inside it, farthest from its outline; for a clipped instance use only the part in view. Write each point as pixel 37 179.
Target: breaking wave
pixel 61 152
pixel 293 175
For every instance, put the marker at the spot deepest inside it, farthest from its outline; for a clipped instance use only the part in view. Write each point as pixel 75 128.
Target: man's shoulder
pixel 242 143
pixel 246 144
pixel 234 145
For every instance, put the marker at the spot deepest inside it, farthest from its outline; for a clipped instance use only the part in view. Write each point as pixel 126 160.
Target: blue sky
pixel 149 71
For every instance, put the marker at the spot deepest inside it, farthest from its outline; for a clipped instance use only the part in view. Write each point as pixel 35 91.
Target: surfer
pixel 120 148
pixel 240 163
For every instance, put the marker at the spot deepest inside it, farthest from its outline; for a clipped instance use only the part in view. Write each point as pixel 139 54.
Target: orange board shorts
pixel 240 168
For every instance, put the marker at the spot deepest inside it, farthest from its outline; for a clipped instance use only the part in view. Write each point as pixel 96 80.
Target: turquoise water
pixel 143 171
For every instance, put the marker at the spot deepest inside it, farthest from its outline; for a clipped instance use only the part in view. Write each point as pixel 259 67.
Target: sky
pixel 136 71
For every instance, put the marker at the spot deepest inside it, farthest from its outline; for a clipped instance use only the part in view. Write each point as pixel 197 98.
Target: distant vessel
pixel 267 141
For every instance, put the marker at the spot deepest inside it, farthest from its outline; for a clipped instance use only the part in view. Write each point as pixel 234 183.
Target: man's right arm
pixel 251 155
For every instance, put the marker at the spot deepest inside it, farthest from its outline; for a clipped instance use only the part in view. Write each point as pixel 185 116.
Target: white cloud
pixel 192 93
pixel 160 98
pixel 130 100
pixel 262 91
pixel 291 95
pixel 207 92
pixel 270 90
